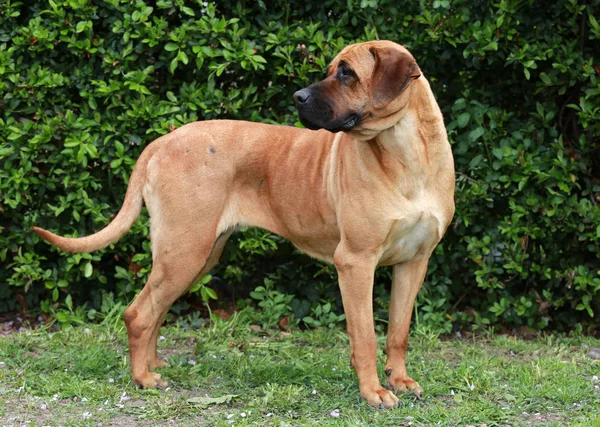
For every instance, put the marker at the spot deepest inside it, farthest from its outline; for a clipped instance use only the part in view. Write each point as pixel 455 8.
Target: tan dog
pixel 378 193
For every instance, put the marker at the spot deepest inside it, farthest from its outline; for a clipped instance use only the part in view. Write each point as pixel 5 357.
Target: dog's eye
pixel 345 72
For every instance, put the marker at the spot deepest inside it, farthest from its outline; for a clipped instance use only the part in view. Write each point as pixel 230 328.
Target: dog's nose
pixel 302 96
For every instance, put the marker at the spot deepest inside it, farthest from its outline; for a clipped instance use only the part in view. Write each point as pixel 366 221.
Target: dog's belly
pixel 413 235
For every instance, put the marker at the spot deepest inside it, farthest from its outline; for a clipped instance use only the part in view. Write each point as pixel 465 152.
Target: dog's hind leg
pixel 181 254
pixel 153 360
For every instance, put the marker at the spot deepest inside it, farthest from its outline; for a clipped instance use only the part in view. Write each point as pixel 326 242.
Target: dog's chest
pixel 417 229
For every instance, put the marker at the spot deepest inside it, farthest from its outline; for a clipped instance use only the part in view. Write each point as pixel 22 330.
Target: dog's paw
pixel 380 398
pixel 157 363
pixel 152 380
pixel 399 383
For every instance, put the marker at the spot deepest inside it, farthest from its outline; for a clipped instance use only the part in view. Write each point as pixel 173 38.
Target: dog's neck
pixel 415 136
pixel 418 121
pixel 417 99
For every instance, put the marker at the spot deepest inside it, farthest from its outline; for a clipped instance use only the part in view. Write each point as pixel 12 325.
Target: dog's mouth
pixel 350 122
pixel 334 126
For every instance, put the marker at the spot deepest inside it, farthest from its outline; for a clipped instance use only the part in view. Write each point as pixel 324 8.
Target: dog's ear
pixel 392 73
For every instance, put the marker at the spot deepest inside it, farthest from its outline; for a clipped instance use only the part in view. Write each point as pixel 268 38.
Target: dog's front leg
pixel 408 278
pixel 355 273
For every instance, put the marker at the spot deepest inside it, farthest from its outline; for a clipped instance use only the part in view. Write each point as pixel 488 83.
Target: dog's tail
pixel 130 211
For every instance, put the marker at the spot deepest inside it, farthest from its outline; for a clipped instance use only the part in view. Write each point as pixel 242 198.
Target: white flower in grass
pixel 86 415
pixel 335 413
pixel 192 362
pixel 230 416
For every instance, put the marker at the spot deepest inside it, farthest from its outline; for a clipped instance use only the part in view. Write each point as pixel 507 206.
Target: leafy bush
pixel 274 304
pixel 87 84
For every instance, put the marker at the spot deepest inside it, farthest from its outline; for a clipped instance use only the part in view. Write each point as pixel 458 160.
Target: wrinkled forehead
pixel 360 57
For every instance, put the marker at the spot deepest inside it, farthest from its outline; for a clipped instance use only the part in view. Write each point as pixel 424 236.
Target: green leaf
pixel 171 97
pixel 62 317
pixel 476 133
pixel 499 21
pixel 69 302
pixel 171 47
pixel 173 65
pixel 80 26
pixel 594 22
pixel 208 293
pixel 498 153
pixel 88 270
pixel 182 56
pixel 475 161
pixel 545 79
pixel 187 11
pixel 529 64
pixel 463 119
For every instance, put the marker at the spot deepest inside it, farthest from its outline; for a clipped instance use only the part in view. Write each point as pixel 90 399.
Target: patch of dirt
pixel 539 418
pixel 34 411
pixel 121 420
pixel 11 323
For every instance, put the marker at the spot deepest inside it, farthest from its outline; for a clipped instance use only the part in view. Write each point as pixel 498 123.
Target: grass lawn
pixel 81 376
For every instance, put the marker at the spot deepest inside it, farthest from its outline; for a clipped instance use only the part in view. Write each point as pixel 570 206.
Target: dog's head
pixel 364 86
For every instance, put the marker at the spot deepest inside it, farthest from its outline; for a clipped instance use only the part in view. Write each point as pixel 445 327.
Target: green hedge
pixel 86 84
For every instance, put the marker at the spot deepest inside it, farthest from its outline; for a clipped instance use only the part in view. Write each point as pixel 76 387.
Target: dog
pixel 369 183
